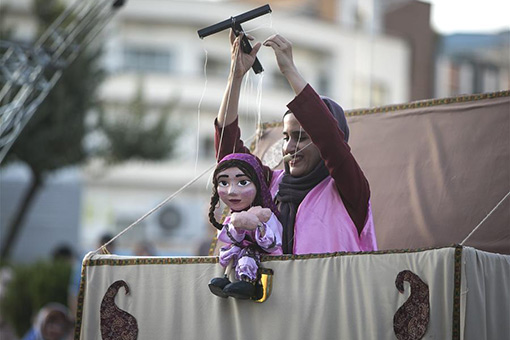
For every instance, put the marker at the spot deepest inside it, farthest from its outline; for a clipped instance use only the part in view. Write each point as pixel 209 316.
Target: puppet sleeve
pixel 229 234
pixel 271 242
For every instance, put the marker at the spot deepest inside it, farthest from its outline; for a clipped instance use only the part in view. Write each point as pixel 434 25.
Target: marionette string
pixel 259 111
pixel 258 120
pixel 157 207
pixel 247 88
pixel 198 111
pixel 150 212
pixel 485 219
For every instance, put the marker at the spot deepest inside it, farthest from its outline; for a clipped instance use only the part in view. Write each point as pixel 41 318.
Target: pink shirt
pixel 323 224
pixel 340 205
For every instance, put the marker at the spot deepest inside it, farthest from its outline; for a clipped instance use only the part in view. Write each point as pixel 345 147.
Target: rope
pixel 166 200
pixel 169 198
pixel 198 111
pixel 486 217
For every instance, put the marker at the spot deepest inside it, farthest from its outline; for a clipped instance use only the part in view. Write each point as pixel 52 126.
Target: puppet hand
pixel 244 220
pixel 263 214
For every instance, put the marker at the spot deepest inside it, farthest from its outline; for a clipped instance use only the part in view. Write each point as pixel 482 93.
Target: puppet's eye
pixel 222 183
pixel 244 182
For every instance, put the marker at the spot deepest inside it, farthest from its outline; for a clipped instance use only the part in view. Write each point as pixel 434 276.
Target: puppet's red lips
pixel 234 201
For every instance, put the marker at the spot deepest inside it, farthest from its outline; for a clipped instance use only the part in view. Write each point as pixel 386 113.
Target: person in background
pixel 144 248
pixel 53 322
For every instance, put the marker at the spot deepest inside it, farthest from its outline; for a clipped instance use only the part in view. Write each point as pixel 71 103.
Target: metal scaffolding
pixel 28 73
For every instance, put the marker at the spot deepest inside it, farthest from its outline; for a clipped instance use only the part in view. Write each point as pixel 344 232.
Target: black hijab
pixel 292 190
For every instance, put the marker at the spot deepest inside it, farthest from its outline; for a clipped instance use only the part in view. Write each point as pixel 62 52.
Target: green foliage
pixel 134 136
pixel 32 287
pixel 53 138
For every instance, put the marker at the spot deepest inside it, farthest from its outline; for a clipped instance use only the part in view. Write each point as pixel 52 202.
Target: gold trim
pixel 428 103
pixel 456 292
pixel 266 278
pixel 411 105
pixel 265 258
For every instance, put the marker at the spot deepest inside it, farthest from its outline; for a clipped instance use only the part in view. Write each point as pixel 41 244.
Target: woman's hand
pixel 283 51
pixel 241 62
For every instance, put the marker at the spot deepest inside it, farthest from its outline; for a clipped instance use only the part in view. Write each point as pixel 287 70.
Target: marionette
pixel 252 227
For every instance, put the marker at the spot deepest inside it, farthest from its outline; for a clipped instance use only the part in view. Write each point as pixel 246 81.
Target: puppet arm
pixel 269 236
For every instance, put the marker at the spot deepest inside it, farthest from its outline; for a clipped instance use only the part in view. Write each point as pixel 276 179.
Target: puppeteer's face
pixel 235 189
pixel 295 139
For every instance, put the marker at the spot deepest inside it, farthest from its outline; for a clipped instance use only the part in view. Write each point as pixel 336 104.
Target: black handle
pixel 246 48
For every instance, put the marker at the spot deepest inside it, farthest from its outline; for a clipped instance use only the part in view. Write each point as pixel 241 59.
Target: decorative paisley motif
pixel 116 324
pixel 411 320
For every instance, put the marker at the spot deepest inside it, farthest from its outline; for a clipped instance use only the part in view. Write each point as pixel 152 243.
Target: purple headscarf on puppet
pixel 254 162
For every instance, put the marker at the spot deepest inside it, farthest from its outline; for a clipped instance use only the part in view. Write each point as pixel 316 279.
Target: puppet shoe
pixel 240 290
pixel 217 284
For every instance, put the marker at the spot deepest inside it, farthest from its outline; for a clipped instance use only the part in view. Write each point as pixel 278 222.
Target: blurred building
pixel 472 63
pixel 410 20
pixel 343 48
pixel 54 219
pixel 338 46
pixel 156 42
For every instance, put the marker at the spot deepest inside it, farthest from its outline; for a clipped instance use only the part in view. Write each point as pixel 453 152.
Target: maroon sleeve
pixel 230 142
pixel 227 140
pixel 315 118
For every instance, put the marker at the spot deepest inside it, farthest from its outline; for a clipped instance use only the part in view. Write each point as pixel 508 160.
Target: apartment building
pixel 339 46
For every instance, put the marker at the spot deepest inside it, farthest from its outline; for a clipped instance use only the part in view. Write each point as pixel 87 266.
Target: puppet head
pixel 251 167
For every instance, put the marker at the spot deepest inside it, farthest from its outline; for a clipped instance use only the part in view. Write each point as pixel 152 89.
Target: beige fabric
pixel 486 295
pixel 333 297
pixel 435 172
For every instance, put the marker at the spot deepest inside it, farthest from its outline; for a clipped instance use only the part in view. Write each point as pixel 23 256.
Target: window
pixel 207 147
pixel 148 60
pixel 216 67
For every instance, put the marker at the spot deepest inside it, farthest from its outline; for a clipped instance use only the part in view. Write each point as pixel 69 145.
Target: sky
pixel 467 16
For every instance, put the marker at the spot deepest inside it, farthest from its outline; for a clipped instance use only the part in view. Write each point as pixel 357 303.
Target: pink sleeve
pixel 229 234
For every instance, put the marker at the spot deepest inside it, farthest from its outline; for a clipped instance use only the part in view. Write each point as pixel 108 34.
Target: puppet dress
pixel 243 247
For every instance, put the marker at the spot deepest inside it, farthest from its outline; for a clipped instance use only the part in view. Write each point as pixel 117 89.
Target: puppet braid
pixel 212 209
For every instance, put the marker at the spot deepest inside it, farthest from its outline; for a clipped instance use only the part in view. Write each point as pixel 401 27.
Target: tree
pixel 135 135
pixel 33 286
pixel 53 138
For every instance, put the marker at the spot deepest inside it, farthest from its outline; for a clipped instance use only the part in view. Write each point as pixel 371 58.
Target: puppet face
pixel 235 189
pixel 295 139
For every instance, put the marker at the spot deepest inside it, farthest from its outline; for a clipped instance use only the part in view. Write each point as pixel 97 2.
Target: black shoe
pixel 217 284
pixel 240 290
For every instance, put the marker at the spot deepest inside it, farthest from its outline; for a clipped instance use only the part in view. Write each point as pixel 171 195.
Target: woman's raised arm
pixel 240 63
